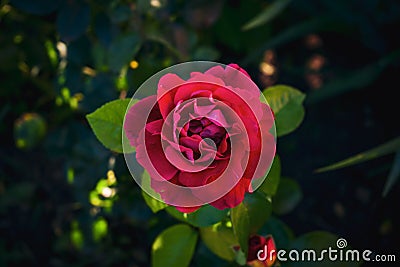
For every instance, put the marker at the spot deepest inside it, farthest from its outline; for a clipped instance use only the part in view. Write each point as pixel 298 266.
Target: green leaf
pixel 249 216
pixel 174 247
pixel 318 241
pixel 73 20
pixel 205 216
pixel 220 239
pixel 270 184
pixel 287 197
pixel 29 130
pixel 240 258
pixel 122 51
pixel 154 204
pixel 287 105
pixel 382 150
pixel 393 175
pixel 282 233
pixel 106 123
pixel 268 14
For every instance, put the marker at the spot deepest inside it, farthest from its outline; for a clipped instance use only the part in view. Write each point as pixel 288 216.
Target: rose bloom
pixel 259 243
pixel 189 135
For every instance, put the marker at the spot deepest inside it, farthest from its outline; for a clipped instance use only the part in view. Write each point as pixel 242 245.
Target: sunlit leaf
pixel 174 247
pixel 154 204
pixel 270 184
pixel 220 239
pixel 381 150
pixel 205 216
pixel 287 104
pixel 76 235
pixel 248 217
pixel 100 228
pixel 51 52
pixel 107 121
pixel 268 14
pixel 287 197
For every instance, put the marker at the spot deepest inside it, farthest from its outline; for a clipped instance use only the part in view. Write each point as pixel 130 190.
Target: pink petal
pixel 136 118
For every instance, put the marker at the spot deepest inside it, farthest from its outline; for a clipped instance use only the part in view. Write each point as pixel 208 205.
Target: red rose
pixel 262 251
pixel 204 139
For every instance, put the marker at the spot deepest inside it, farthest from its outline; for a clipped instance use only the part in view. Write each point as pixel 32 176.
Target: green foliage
pixel 393 176
pixel 381 150
pixel 287 104
pixel 287 197
pixel 269 13
pixel 220 239
pixel 203 217
pixel 107 121
pixel 100 228
pixel 249 216
pixel 174 246
pixel 154 204
pixel 280 231
pixel 271 182
pixel 122 51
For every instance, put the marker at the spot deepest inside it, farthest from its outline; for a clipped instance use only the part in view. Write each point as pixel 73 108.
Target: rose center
pixel 195 131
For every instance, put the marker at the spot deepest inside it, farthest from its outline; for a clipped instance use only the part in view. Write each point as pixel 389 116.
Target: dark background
pixel 343 54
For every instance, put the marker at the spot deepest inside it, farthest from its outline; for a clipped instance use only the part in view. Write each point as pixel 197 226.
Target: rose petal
pixel 256 243
pixel 194 179
pixel 237 67
pixel 155 127
pixel 233 197
pixel 152 158
pixel 136 117
pixel 166 92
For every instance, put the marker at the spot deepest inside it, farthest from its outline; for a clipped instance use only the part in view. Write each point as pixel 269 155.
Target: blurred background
pixel 65 200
